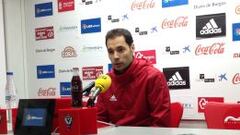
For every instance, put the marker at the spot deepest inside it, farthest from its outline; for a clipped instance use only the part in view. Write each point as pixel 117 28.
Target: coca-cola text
pixel 215 48
pixel 181 21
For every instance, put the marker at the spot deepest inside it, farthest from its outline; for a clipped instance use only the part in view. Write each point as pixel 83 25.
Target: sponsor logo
pixel 178 78
pixel 65 70
pixel 43 9
pixel 236 78
pixel 44 33
pixel 91 73
pixel 186 49
pixel 181 21
pixel 125 17
pixel 91 48
pixel 231 119
pixel 117 19
pixel 149 55
pixel 215 48
pixel 206 80
pixel 89 2
pixel 188 106
pixel 65 88
pixel 168 50
pixel 236 31
pixel 68 28
pixel 91 25
pixel 113 20
pixel 208 26
pixel 47 92
pixel 34 117
pixel 208 5
pixel 65 5
pixel 172 3
pixel 69 52
pixel 222 77
pixel 45 71
pixel 113 98
pixel 237 10
pixel 202 102
pixel 109 67
pixel 46 50
pixel 68 120
pixel 142 4
pixel 236 55
pixel 137 30
pixel 154 29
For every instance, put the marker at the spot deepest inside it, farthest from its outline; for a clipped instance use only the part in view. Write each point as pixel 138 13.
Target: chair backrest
pixel 222 115
pixel 176 114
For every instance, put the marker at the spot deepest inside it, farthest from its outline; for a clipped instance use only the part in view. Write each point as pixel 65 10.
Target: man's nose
pixel 115 55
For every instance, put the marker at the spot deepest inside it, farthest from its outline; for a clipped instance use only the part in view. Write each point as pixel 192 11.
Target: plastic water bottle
pixel 11 99
pixel 76 89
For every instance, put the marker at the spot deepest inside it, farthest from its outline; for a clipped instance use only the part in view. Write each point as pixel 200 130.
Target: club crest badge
pixel 68 121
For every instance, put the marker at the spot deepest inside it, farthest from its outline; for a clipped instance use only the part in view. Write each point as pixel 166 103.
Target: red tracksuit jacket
pixel 139 97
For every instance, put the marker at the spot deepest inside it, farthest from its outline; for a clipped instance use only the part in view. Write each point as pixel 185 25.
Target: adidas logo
pixel 113 98
pixel 210 28
pixel 139 55
pixel 176 80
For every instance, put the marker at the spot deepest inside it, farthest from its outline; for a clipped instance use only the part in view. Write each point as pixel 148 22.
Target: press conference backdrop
pixel 2 58
pixel 194 42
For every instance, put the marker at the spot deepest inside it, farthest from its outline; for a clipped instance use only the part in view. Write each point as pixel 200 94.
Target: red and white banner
pixel 91 73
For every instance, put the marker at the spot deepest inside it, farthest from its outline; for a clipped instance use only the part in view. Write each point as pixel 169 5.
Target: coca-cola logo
pixel 181 21
pixel 231 118
pixel 46 92
pixel 144 4
pixel 215 48
pixel 236 79
pixel 237 9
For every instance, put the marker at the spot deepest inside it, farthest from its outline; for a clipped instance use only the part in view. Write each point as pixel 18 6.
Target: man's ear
pixel 133 47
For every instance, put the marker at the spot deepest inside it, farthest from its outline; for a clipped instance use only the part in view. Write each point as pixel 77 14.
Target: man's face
pixel 120 53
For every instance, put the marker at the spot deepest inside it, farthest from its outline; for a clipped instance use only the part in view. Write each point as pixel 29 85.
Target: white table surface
pixel 164 131
pixel 160 131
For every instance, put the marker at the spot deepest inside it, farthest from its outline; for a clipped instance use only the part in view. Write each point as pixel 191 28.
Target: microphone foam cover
pixel 103 82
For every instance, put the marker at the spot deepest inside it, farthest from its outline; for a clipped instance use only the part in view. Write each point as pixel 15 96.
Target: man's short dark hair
pixel 120 32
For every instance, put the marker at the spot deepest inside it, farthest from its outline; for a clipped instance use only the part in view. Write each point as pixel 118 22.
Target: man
pixel 138 95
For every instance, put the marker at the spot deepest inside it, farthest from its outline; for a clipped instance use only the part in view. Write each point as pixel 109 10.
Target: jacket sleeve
pixel 102 113
pixel 159 100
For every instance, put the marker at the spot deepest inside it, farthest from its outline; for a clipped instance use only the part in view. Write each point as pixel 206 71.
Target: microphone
pixel 102 83
pixel 87 89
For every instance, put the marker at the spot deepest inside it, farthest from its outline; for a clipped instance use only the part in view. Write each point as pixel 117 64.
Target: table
pixel 121 130
pixel 164 131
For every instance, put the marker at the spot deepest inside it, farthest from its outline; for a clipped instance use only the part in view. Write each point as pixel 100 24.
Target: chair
pixel 176 112
pixel 222 115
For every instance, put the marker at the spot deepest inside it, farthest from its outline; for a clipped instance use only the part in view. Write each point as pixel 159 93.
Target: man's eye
pixel 120 50
pixel 110 51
